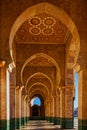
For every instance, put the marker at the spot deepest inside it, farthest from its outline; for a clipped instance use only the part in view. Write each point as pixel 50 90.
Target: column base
pixel 51 119
pixel 47 118
pixel 12 124
pixel 82 124
pixel 4 124
pixel 17 123
pixel 28 118
pixel 22 121
pixel 66 123
pixel 56 121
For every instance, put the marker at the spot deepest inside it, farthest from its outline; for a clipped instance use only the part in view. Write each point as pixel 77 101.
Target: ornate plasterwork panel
pixel 42 28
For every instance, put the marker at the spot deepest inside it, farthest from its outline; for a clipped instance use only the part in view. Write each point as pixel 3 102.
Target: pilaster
pixel 82 96
pixel 57 109
pixel 18 107
pixel 28 109
pixel 22 101
pixel 4 98
pixel 66 107
pixel 51 109
pixel 47 110
pixel 13 99
pixel 12 108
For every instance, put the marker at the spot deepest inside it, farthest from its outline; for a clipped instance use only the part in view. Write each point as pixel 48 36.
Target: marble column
pixel 12 99
pixel 62 107
pixel 57 109
pixel 18 107
pixel 25 109
pixel 4 99
pixel 28 110
pixel 51 109
pixel 66 107
pixel 82 99
pixel 46 110
pixel 22 101
pixel 12 108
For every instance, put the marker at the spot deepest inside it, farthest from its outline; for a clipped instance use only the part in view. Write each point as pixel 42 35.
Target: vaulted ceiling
pixel 42 28
pixel 40 43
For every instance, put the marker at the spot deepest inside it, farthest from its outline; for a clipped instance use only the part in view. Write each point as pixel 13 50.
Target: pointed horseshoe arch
pixel 38 92
pixel 38 83
pixel 39 73
pixel 45 56
pixel 52 10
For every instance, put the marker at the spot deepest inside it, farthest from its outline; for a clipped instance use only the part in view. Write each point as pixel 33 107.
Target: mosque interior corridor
pixel 43 45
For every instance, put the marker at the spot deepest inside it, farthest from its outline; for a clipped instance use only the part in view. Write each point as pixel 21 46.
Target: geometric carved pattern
pixel 42 28
pixel 47 23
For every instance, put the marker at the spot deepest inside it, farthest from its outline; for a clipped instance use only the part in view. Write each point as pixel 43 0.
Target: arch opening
pixel 36 101
pixel 49 58
pixel 41 74
pixel 49 9
pixel 37 110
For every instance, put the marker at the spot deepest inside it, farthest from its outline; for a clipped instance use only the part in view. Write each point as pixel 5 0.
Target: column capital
pixel 2 63
pixel 21 87
pixel 25 97
pixel 50 99
pixel 11 66
pixel 54 94
pixel 17 87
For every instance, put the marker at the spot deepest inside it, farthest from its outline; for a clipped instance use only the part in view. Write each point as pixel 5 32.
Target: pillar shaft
pixel 47 112
pixel 66 107
pixel 82 96
pixel 51 110
pixel 56 110
pixel 12 98
pixel 58 105
pixel 4 99
pixel 22 110
pixel 28 110
pixel 18 108
pixel 62 103
pixel 25 110
pixel 12 108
